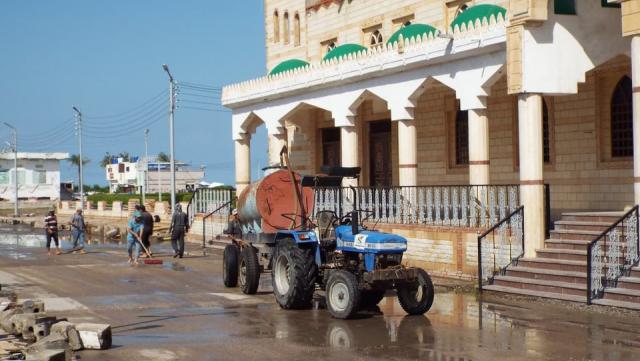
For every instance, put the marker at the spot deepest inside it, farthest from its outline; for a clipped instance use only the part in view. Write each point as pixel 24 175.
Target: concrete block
pixel 5 319
pixel 32 306
pixel 25 324
pixel 95 336
pixel 69 332
pixel 12 296
pixel 48 355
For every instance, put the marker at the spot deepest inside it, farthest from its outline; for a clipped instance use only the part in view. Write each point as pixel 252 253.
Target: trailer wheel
pixel 416 299
pixel 230 265
pixel 293 274
pixel 249 271
pixel 343 295
pixel 370 298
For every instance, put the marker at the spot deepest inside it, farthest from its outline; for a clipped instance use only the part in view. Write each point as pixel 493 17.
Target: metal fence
pixel 612 254
pixel 452 206
pixel 205 201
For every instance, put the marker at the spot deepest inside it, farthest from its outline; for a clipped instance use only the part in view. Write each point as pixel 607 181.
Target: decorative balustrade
pixel 450 206
pixel 500 246
pixel 205 201
pixel 612 254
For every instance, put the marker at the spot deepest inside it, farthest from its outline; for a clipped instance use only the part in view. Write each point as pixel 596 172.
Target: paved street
pixel 181 311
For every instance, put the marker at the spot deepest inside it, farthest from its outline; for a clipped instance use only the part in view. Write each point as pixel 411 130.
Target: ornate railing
pixel 612 254
pixel 216 225
pixel 450 206
pixel 500 246
pixel 205 200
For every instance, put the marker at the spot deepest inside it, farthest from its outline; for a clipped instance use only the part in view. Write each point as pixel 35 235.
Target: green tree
pixel 163 157
pixel 125 156
pixel 106 160
pixel 75 160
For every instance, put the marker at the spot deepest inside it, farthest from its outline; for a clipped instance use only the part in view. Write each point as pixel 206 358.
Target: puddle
pixel 174 266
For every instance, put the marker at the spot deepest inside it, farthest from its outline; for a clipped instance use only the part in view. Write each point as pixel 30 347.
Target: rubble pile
pixel 29 333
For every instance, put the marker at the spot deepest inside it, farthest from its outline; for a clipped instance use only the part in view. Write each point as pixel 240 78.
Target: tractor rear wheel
pixel 293 274
pixel 417 298
pixel 230 265
pixel 343 295
pixel 370 298
pixel 249 270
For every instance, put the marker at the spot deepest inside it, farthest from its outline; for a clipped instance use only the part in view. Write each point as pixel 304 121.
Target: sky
pixel 105 57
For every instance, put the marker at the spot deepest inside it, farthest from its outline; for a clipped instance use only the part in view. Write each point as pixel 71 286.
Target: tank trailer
pixel 339 254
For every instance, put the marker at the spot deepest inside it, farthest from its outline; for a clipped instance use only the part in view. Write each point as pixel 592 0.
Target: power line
pixel 205 109
pixel 118 115
pixel 132 118
pixel 150 119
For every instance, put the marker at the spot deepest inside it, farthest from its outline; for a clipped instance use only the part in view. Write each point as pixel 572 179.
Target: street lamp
pixel 15 165
pixel 79 129
pixel 172 165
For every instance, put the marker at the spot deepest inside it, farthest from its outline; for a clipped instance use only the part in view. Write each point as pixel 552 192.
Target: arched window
pixel 296 29
pixel 285 28
pixel 330 46
pixel 276 27
pixel 622 119
pixel 376 38
pixel 462 137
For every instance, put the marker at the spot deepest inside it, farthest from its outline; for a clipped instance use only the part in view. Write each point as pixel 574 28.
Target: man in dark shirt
pixel 179 227
pixel 51 229
pixel 147 230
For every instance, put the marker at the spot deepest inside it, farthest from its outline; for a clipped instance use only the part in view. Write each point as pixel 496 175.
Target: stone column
pixel 349 149
pixel 478 147
pixel 408 153
pixel 276 142
pixel 531 166
pixel 243 162
pixel 635 81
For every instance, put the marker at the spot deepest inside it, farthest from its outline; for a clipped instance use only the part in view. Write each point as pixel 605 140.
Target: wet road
pixel 181 311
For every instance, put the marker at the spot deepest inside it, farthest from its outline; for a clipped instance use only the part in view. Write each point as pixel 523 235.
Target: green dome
pixel 343 50
pixel 412 31
pixel 288 65
pixel 480 12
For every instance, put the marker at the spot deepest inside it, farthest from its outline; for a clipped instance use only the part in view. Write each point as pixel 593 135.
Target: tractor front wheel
pixel 343 295
pixel 249 270
pixel 230 265
pixel 294 273
pixel 417 298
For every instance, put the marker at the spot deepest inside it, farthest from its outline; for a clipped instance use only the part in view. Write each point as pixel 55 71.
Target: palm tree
pixel 75 160
pixel 163 157
pixel 106 160
pixel 125 156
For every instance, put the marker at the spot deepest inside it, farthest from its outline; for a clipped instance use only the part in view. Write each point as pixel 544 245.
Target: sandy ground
pixel 181 311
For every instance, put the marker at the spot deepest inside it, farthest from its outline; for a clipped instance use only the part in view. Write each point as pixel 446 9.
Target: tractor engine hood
pixel 369 241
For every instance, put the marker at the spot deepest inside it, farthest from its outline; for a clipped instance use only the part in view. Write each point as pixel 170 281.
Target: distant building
pixel 130 176
pixel 38 175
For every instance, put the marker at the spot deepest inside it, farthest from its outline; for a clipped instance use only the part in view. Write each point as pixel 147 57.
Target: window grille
pixel 622 119
pixel 462 137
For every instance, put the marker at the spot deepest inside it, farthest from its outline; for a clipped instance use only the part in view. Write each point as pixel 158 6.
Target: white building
pixel 38 175
pixel 130 176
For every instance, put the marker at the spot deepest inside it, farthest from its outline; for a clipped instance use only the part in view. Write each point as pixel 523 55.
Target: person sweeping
pixel 134 237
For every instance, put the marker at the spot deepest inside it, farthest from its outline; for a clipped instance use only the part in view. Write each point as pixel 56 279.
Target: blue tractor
pixel 354 265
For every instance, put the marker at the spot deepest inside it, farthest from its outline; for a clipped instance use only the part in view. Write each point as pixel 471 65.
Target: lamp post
pixel 146 164
pixel 81 160
pixel 15 165
pixel 172 165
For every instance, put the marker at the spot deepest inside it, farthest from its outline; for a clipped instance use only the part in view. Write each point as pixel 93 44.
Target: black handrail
pixel 204 218
pixel 492 230
pixel 603 237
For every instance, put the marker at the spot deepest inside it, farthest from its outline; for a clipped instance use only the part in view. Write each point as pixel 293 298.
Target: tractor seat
pixel 326 225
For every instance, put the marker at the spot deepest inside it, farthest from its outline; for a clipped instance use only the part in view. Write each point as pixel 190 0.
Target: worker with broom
pixel 134 236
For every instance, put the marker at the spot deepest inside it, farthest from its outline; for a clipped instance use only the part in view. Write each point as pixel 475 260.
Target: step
pixel 622 294
pixel 566 254
pixel 524 292
pixel 556 264
pixel 547 274
pixel 635 272
pixel 564 288
pixel 615 303
pixel 576 235
pixel 630 283
pixel 567 244
pixel 582 226
pixel 609 217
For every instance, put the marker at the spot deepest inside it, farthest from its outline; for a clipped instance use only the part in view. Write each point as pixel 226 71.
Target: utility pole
pixel 15 165
pixel 79 131
pixel 172 161
pixel 159 180
pixel 146 164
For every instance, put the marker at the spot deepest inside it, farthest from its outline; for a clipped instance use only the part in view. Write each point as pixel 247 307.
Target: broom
pixel 150 259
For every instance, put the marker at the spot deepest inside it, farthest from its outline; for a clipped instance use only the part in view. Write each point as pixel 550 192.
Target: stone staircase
pixel 559 270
